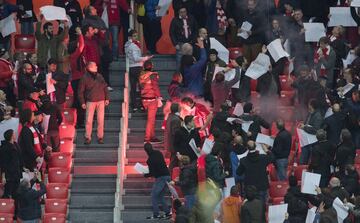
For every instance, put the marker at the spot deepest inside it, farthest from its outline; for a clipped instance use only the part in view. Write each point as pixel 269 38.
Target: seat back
pixel 6 218
pixel 54 218
pixel 66 131
pixel 7 206
pixel 24 43
pixel 57 191
pixel 56 206
pixel 59 175
pixel 278 188
pixel 60 159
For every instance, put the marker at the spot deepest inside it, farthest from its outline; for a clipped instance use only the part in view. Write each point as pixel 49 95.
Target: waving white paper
pixel 341 210
pixel 246 26
pixel 355 3
pixel 238 110
pixel 309 182
pixel 346 89
pixel 265 139
pixel 245 125
pixel 53 13
pixel 50 88
pixel 141 168
pixel 223 52
pixel 259 66
pixel 276 50
pixel 207 146
pixel 277 213
pixel 311 215
pixel 341 16
pixel 7 25
pixel 194 147
pixel 164 7
pixel 306 138
pixel 314 31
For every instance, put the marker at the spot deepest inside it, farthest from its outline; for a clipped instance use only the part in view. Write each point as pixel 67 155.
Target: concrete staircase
pixel 137 198
pixel 94 173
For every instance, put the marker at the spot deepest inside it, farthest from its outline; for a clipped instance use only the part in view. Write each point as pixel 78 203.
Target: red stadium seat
pixel 60 159
pixel 66 131
pixel 253 84
pixel 7 206
pixel 286 98
pixel 69 101
pixel 54 218
pixel 56 206
pixel 59 175
pixel 6 218
pixel 24 43
pixel 298 171
pixel 69 116
pixel 66 146
pixel 277 200
pixel 234 52
pixel 273 173
pixel 57 191
pixel 278 188
pixel 285 84
pixel 285 112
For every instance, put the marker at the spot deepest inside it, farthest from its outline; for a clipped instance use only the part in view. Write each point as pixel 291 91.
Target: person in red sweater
pixel 77 66
pixel 6 73
pixel 113 11
pixel 93 40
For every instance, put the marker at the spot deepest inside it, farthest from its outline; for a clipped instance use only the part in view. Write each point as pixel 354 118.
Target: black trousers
pixel 53 140
pixel 134 73
pixel 80 112
pixel 152 34
pixel 11 187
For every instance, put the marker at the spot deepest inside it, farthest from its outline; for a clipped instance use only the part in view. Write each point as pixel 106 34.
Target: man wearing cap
pixel 32 102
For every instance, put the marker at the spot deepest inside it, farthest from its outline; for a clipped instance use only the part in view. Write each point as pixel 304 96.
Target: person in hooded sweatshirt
pixel 231 207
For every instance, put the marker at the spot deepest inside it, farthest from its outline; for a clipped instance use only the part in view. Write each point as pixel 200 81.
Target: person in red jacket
pixel 6 73
pixel 113 11
pixel 93 39
pixel 151 99
pixel 32 102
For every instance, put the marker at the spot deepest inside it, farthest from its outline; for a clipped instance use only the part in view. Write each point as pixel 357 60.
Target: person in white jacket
pixel 136 61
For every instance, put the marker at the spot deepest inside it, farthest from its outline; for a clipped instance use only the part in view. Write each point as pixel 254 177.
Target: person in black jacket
pixel 322 157
pixel 74 11
pixel 55 120
pixel 28 199
pixel 214 166
pixel 346 151
pixel 253 166
pixel 253 210
pixel 257 121
pixel 349 179
pixel 182 213
pixel 93 96
pixel 334 124
pixel 297 202
pixel 187 181
pixel 26 81
pixel 60 81
pixel 184 135
pixel 281 149
pixel 12 162
pixel 158 170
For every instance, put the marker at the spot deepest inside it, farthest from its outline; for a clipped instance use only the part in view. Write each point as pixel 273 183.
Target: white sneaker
pixel 110 88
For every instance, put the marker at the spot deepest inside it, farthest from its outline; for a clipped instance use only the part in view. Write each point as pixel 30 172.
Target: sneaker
pixel 87 141
pixel 167 216
pixel 101 141
pixel 152 217
pixel 155 140
pixel 110 88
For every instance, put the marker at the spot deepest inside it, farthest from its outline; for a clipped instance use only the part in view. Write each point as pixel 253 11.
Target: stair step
pixel 81 215
pixel 110 138
pixel 91 200
pixel 136 216
pixel 140 200
pixel 139 153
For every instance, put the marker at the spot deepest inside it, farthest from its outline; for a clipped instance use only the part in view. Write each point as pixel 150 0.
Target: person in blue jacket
pixel 152 25
pixel 192 71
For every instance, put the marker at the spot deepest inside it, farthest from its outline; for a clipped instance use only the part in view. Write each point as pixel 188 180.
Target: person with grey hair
pixel 336 190
pixel 29 207
pixel 322 156
pixel 334 123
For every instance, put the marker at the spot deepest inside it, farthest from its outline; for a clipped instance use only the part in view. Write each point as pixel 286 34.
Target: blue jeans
pixel 305 154
pixel 281 168
pixel 115 40
pixel 190 201
pixel 27 28
pixel 158 195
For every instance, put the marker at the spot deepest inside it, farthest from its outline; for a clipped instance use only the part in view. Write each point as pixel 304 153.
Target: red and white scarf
pixel 221 17
pixel 325 53
pixel 186 28
pixel 37 145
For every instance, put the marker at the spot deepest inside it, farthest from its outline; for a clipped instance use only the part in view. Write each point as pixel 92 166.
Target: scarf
pixel 325 52
pixel 221 18
pixel 37 146
pixel 186 28
pixel 137 43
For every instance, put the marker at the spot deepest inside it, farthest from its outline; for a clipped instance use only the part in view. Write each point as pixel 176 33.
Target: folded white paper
pixel 246 26
pixel 12 123
pixel 306 138
pixel 223 52
pixel 229 182
pixel 28 176
pixel 259 66
pixel 259 148
pixel 164 7
pixel 277 213
pixel 245 125
pixel 349 59
pixel 276 50
pixel 309 182
pixel 265 139
pixel 207 146
pixel 243 155
pixel 341 210
pixel 50 88
pixel 314 31
pixel 7 25
pixel 355 3
pixel 329 112
pixel 341 16
pixel 53 13
pixel 229 75
pixel 311 215
pixel 141 168
pixel 238 110
pixel 193 146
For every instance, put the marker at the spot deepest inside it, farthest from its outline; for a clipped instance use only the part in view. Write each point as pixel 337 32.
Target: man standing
pixel 48 43
pixel 324 59
pixel 158 170
pixel 182 30
pixel 151 99
pixel 94 96
pixel 60 82
pixel 281 149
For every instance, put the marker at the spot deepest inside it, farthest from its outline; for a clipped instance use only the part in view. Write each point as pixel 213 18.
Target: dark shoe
pixel 155 140
pixel 87 141
pixel 154 217
pixel 101 141
pixel 167 216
